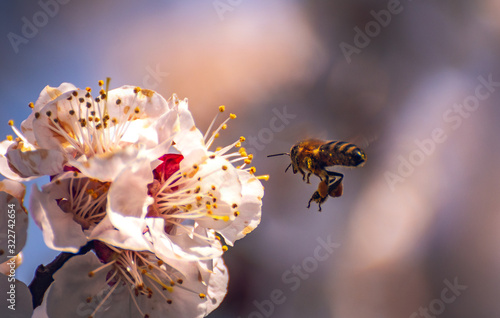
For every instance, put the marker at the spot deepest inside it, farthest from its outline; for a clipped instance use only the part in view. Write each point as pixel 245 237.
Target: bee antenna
pixel 288 167
pixel 279 154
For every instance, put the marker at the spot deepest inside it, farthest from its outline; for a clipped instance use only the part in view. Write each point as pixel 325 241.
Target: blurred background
pixel 416 84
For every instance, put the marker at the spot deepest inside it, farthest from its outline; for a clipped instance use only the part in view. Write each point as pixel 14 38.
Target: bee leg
pixel 336 190
pixel 316 197
pixel 307 177
pixel 320 195
pixel 335 186
pixel 303 174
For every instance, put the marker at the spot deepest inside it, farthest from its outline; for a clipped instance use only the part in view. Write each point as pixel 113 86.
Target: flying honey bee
pixel 313 156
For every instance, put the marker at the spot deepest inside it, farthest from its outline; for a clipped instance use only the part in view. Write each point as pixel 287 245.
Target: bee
pixel 313 156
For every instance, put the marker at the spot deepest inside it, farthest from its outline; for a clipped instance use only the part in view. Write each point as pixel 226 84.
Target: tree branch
pixel 44 274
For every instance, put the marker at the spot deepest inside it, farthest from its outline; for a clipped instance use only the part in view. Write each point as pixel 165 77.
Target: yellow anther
pixel 218 149
pixel 238 144
pixel 242 139
pixel 216 135
pixel 10 138
pixel 101 82
pixel 264 177
pixel 137 110
pixel 252 170
pixel 224 248
pixel 242 149
pixel 88 89
pixel 11 122
pixel 232 116
pixel 31 105
pixel 224 168
pixel 224 127
pixel 248 161
pixel 202 295
pixel 137 89
pixel 222 108
pixel 236 213
pixel 250 156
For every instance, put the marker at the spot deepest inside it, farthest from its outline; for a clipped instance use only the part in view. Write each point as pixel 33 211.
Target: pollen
pixel 222 108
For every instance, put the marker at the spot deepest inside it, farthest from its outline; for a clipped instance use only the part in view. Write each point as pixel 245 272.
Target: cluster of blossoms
pixel 132 177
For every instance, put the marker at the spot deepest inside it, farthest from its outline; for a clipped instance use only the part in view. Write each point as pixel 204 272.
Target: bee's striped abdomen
pixel 342 153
